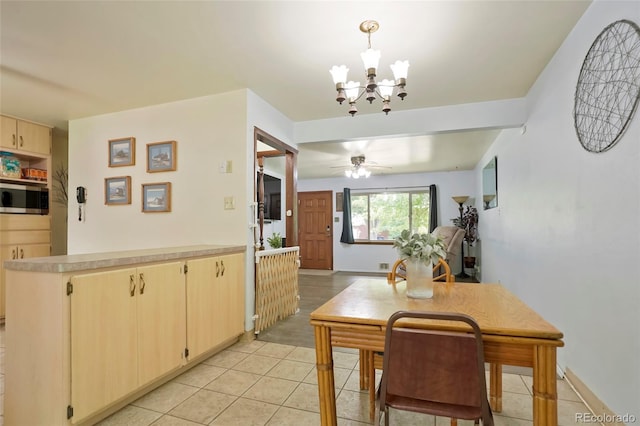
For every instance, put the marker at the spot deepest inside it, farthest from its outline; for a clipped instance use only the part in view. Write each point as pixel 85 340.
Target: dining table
pixel 512 334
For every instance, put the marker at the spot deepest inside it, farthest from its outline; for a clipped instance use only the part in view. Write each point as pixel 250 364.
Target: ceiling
pixel 63 60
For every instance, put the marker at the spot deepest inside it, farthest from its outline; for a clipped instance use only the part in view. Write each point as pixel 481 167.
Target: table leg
pixel 495 387
pixel 324 366
pixel 365 356
pixel 545 393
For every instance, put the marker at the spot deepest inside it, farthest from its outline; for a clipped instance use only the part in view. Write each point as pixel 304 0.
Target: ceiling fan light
pixel 339 73
pixel 347 173
pixel 362 171
pixel 400 69
pixel 371 59
pixel 367 173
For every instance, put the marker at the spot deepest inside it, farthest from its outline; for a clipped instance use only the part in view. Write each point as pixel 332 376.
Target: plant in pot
pixel 275 240
pixel 420 252
pixel 469 223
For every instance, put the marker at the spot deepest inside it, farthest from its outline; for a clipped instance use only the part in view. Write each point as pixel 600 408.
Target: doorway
pixel 315 232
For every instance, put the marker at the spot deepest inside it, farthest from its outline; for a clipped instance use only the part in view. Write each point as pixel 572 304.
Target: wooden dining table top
pixel 371 301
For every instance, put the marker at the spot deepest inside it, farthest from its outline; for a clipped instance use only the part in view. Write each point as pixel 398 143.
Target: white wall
pixel 207 130
pixel 366 258
pixel 566 234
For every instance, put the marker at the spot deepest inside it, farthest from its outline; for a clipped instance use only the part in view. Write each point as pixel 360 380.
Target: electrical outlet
pixel 383 266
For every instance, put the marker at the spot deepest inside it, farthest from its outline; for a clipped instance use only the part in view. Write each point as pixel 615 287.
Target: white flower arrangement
pixel 420 247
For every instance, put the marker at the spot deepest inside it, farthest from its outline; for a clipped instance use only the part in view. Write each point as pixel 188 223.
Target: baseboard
pixel 602 414
pixel 248 336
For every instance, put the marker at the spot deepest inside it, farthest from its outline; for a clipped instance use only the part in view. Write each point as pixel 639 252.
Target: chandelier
pixel 352 90
pixel 358 170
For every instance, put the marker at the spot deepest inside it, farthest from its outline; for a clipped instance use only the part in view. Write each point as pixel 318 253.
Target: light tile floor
pixel 263 383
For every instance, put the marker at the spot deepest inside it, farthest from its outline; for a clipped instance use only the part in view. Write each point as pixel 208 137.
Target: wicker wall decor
pixel 608 86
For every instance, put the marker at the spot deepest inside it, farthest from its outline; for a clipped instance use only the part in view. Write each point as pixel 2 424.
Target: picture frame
pixel 156 197
pixel 117 191
pixel 161 156
pixel 122 152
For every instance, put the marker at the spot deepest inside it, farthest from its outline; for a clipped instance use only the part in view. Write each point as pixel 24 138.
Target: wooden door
pixel 34 137
pixel 315 217
pixel 229 300
pixel 104 341
pixel 161 320
pixel 200 305
pixel 8 137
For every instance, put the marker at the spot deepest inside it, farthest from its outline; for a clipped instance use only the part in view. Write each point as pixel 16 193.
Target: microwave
pixel 23 199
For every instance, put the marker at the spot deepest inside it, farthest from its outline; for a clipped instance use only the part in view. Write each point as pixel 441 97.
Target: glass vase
pixel 419 280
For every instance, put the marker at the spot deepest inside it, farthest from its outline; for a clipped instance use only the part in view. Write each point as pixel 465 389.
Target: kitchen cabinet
pixel 127 329
pixel 215 301
pixel 24 136
pixel 21 237
pixel 110 327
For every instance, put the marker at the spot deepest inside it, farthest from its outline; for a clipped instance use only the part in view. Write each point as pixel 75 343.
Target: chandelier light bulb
pixel 351 89
pixel 339 73
pixel 370 58
pixel 386 88
pixel 400 69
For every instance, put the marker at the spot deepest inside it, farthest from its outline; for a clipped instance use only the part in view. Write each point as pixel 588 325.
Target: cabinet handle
pixel 14 140
pixel 14 254
pixel 222 263
pixel 142 283
pixel 21 141
pixel 21 253
pixel 132 285
pixel 217 269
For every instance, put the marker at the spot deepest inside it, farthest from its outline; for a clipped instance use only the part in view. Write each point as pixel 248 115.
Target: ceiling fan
pixel 360 168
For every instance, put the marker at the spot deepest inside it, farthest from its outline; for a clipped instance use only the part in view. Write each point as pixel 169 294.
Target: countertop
pixel 89 261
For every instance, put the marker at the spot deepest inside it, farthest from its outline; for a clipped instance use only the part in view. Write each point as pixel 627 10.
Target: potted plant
pixel 419 251
pixel 469 223
pixel 275 240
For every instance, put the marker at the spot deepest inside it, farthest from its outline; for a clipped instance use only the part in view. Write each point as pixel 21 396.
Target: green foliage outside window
pixel 383 216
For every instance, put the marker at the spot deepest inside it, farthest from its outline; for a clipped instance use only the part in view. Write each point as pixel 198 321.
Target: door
pixel 315 234
pixel 161 320
pixel 104 341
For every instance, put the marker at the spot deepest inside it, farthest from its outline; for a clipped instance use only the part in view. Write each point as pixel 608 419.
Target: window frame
pixel 368 193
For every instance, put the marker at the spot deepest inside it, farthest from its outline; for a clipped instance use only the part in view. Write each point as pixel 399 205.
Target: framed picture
pixel 339 198
pixel 122 152
pixel 117 190
pixel 161 156
pixel 156 197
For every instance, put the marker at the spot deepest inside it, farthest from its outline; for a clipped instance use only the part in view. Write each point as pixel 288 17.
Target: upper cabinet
pixel 22 135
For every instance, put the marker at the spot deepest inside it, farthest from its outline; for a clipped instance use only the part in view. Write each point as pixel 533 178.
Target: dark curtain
pixel 433 208
pixel 347 230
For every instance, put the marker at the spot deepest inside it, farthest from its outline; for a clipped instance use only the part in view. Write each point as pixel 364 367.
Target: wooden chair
pixel 441 272
pixel 434 372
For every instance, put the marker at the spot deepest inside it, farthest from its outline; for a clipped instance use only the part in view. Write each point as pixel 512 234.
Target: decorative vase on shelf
pixel 419 279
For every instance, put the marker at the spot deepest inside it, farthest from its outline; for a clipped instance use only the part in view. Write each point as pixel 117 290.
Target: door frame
pixel 291 180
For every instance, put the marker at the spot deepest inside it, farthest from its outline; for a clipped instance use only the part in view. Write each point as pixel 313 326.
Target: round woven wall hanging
pixel 608 86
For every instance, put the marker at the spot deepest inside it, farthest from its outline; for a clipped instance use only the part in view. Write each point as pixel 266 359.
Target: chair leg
pixel 454 422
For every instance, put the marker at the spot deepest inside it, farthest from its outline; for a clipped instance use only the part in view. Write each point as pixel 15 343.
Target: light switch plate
pixel 229 203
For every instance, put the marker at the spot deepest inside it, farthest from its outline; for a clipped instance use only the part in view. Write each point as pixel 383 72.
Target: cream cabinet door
pixel 201 295
pixel 229 300
pixel 161 320
pixel 7 252
pixel 8 137
pixel 104 341
pixel 34 137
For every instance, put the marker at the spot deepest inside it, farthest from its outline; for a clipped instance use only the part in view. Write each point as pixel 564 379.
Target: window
pixel 382 216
